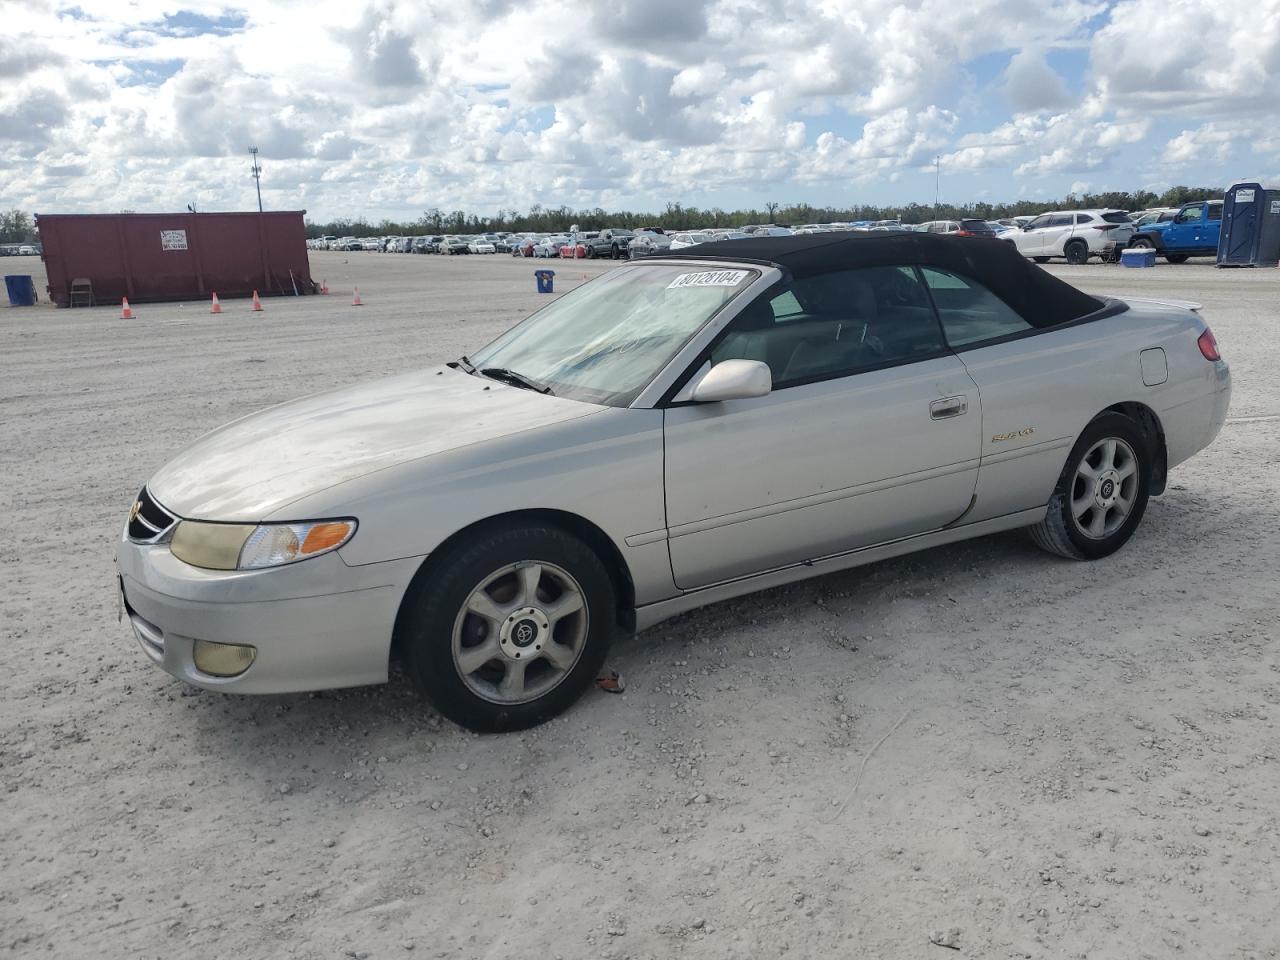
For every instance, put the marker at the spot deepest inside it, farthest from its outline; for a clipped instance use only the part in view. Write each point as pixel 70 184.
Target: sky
pixel 384 109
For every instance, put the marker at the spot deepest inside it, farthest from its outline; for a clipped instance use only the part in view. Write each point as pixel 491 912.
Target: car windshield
pixel 605 341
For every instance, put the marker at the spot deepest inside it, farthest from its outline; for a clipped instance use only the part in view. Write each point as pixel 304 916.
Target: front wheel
pixel 1141 243
pixel 1040 259
pixel 509 628
pixel 1102 492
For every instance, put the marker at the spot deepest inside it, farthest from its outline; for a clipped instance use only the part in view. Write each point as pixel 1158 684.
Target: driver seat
pixel 845 349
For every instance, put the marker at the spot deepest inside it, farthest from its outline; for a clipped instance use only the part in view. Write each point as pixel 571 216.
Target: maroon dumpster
pixel 174 256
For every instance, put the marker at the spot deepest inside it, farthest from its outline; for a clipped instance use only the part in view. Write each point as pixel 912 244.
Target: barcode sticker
pixel 709 278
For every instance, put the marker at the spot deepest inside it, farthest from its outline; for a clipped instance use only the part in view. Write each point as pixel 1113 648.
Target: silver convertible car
pixel 676 432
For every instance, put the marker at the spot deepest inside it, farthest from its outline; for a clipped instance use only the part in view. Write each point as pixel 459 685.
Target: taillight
pixel 1107 226
pixel 1208 345
pixel 965 233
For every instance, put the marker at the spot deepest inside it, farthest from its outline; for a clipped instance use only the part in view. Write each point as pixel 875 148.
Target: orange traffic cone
pixel 257 304
pixel 355 297
pixel 217 307
pixel 126 313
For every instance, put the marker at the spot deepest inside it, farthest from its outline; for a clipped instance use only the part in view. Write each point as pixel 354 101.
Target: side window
pixel 1037 223
pixel 836 324
pixel 1191 214
pixel 1060 220
pixel 1215 211
pixel 970 312
pixel 786 307
pixel 1083 218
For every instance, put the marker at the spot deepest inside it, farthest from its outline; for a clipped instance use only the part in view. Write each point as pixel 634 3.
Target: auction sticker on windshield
pixel 709 278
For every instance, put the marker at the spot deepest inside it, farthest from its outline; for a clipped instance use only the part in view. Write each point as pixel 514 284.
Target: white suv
pixel 1074 234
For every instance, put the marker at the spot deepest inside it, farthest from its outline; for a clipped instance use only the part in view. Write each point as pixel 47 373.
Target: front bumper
pixel 315 625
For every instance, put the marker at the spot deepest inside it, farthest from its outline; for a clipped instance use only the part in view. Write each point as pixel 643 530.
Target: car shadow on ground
pixel 396 705
pixel 970 570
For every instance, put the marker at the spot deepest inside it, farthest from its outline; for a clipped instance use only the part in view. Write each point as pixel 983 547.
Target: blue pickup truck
pixel 1193 232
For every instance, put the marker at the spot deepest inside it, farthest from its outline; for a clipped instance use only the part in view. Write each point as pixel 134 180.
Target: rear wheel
pixel 1077 252
pixel 1102 492
pixel 510 628
pixel 1176 257
pixel 1040 259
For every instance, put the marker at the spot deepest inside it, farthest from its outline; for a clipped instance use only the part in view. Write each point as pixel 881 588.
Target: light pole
pixel 937 184
pixel 257 175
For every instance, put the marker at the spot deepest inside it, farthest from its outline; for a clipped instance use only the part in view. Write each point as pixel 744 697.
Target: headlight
pixel 238 546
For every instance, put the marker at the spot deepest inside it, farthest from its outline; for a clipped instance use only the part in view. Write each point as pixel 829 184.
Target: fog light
pixel 223 659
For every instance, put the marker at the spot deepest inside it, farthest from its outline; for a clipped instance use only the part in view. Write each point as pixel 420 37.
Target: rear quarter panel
pixel 1052 384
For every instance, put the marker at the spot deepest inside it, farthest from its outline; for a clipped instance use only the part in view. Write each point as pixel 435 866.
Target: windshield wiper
pixel 464 364
pixel 515 379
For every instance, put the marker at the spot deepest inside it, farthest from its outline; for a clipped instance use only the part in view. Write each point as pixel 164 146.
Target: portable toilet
pixel 1250 234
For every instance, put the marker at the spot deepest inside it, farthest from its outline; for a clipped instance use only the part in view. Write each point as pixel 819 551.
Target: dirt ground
pixel 1051 759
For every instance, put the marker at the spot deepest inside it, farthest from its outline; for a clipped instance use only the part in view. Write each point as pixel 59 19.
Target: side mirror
pixel 733 380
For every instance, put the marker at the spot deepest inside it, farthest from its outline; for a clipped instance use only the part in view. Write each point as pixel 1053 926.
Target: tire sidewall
pixel 1108 425
pixel 427 634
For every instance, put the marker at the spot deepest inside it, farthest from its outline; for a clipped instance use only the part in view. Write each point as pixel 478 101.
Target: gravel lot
pixel 1081 760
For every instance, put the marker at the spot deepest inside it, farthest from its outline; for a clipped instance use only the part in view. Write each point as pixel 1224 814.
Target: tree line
pixel 677 216
pixel 17 226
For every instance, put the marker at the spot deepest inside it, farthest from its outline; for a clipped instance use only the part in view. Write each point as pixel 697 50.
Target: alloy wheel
pixel 1105 488
pixel 520 632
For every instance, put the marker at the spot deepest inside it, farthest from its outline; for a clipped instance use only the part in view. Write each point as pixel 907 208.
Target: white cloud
pixel 385 107
pixel 1032 85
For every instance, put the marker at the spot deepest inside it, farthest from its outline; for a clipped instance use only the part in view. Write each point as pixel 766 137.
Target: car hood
pixel 253 467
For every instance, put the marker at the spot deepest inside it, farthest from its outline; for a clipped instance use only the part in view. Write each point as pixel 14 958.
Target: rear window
pixel 1116 217
pixel 972 225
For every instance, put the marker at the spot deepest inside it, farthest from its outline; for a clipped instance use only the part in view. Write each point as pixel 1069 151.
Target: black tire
pixel 1077 252
pixel 1059 532
pixel 426 623
pixel 1041 259
pixel 1176 257
pixel 1141 243
pixel 615 253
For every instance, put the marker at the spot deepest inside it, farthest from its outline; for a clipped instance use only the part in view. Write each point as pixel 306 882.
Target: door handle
pixel 948 407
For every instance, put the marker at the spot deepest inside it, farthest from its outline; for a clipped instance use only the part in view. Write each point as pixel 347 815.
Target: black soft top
pixel 1040 297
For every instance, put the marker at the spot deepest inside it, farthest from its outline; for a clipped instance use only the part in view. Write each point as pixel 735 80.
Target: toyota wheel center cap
pixel 1108 489
pixel 523 633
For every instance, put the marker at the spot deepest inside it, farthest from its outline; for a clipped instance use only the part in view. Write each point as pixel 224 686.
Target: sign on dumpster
pixel 173 239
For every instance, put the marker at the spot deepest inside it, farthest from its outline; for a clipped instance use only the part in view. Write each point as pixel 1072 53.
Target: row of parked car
pixel 1074 235
pixel 19 249
pixel 1176 233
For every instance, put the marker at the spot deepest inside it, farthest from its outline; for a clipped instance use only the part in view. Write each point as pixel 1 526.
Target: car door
pixel 1211 227
pixel 1056 234
pixel 871 432
pixel 1033 386
pixel 1030 239
pixel 1181 233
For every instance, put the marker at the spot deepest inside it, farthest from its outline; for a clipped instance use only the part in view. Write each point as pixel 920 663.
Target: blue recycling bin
pixel 546 280
pixel 22 292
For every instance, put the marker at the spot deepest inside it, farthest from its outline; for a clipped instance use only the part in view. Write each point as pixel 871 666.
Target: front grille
pixel 149 521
